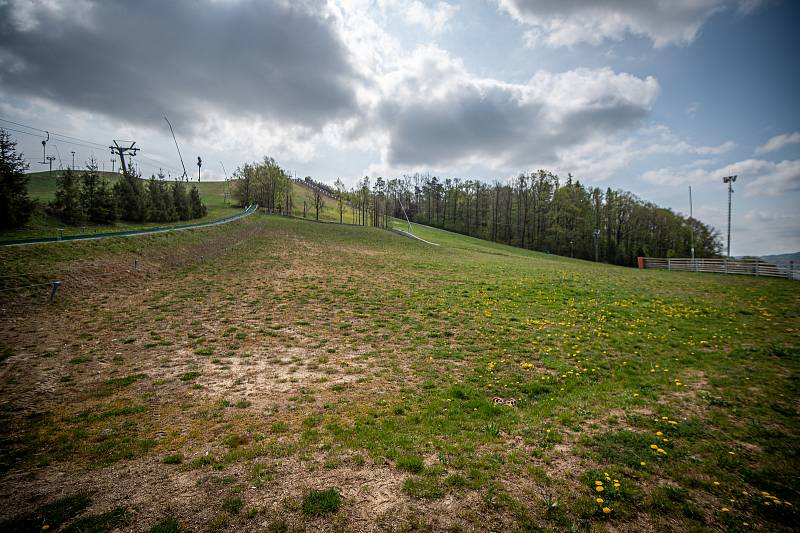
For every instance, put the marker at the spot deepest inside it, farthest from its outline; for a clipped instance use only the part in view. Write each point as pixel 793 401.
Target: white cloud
pixel 777 142
pixel 569 22
pixel 759 177
pixel 434 19
pixel 437 114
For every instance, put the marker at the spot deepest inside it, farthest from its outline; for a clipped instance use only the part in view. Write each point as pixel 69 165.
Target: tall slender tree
pixel 16 206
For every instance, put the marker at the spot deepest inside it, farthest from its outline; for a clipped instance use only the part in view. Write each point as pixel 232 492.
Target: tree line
pixel 541 212
pixel 87 196
pixel 537 211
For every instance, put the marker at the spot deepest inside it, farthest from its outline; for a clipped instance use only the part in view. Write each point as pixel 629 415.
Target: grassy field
pixel 280 375
pixel 329 212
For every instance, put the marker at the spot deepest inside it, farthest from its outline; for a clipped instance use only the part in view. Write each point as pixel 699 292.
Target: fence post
pixel 54 285
pixel 669 263
pixel 640 262
pixel 757 272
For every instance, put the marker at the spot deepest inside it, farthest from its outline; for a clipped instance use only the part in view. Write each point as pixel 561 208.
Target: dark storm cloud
pixel 430 132
pixel 135 60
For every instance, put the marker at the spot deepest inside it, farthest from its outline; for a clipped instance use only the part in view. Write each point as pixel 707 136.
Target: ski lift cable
pixel 84 143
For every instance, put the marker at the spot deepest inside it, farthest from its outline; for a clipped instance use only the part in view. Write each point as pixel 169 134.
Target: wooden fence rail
pixel 751 267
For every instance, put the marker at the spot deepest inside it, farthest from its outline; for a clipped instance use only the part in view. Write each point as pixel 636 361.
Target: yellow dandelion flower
pixel 658 433
pixel 642 463
pixel 606 510
pixel 599 500
pixel 598 482
pixel 725 509
pixel 616 484
pixel 716 483
pixel 599 488
pixel 654 446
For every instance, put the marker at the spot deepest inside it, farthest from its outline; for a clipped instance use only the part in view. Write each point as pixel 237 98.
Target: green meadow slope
pixel 42 187
pixel 318 377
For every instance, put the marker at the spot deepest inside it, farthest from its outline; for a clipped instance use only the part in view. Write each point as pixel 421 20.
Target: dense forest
pixel 540 212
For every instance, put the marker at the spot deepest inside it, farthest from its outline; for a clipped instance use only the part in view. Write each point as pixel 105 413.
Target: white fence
pixel 750 267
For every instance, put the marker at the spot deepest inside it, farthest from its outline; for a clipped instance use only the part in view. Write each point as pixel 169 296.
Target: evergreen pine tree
pixel 15 205
pixel 196 206
pixel 131 198
pixel 105 211
pixel 96 199
pixel 180 201
pixel 158 209
pixel 67 203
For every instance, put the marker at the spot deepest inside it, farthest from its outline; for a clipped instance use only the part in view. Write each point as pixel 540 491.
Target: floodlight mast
pixel 44 150
pixel 691 226
pixel 729 180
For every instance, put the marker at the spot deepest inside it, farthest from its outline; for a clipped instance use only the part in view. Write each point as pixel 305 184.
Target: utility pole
pixel 73 160
pixel 199 163
pixel 121 151
pixel 691 226
pixel 50 159
pixel 113 162
pixel 571 254
pixel 729 180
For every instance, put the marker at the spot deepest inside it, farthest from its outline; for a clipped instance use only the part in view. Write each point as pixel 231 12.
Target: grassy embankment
pixel 323 377
pixel 42 187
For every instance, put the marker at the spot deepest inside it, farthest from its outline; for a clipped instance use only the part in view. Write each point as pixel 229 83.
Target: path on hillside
pixel 163 229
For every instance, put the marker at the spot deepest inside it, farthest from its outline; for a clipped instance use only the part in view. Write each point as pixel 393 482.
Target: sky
pixel 652 96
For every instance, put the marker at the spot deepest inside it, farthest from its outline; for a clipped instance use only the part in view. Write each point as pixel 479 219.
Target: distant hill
pixel 782 259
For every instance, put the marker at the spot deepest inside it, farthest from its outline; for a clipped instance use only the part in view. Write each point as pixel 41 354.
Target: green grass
pixel 166 525
pixel 173 459
pixel 604 362
pixel 321 502
pixel 233 504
